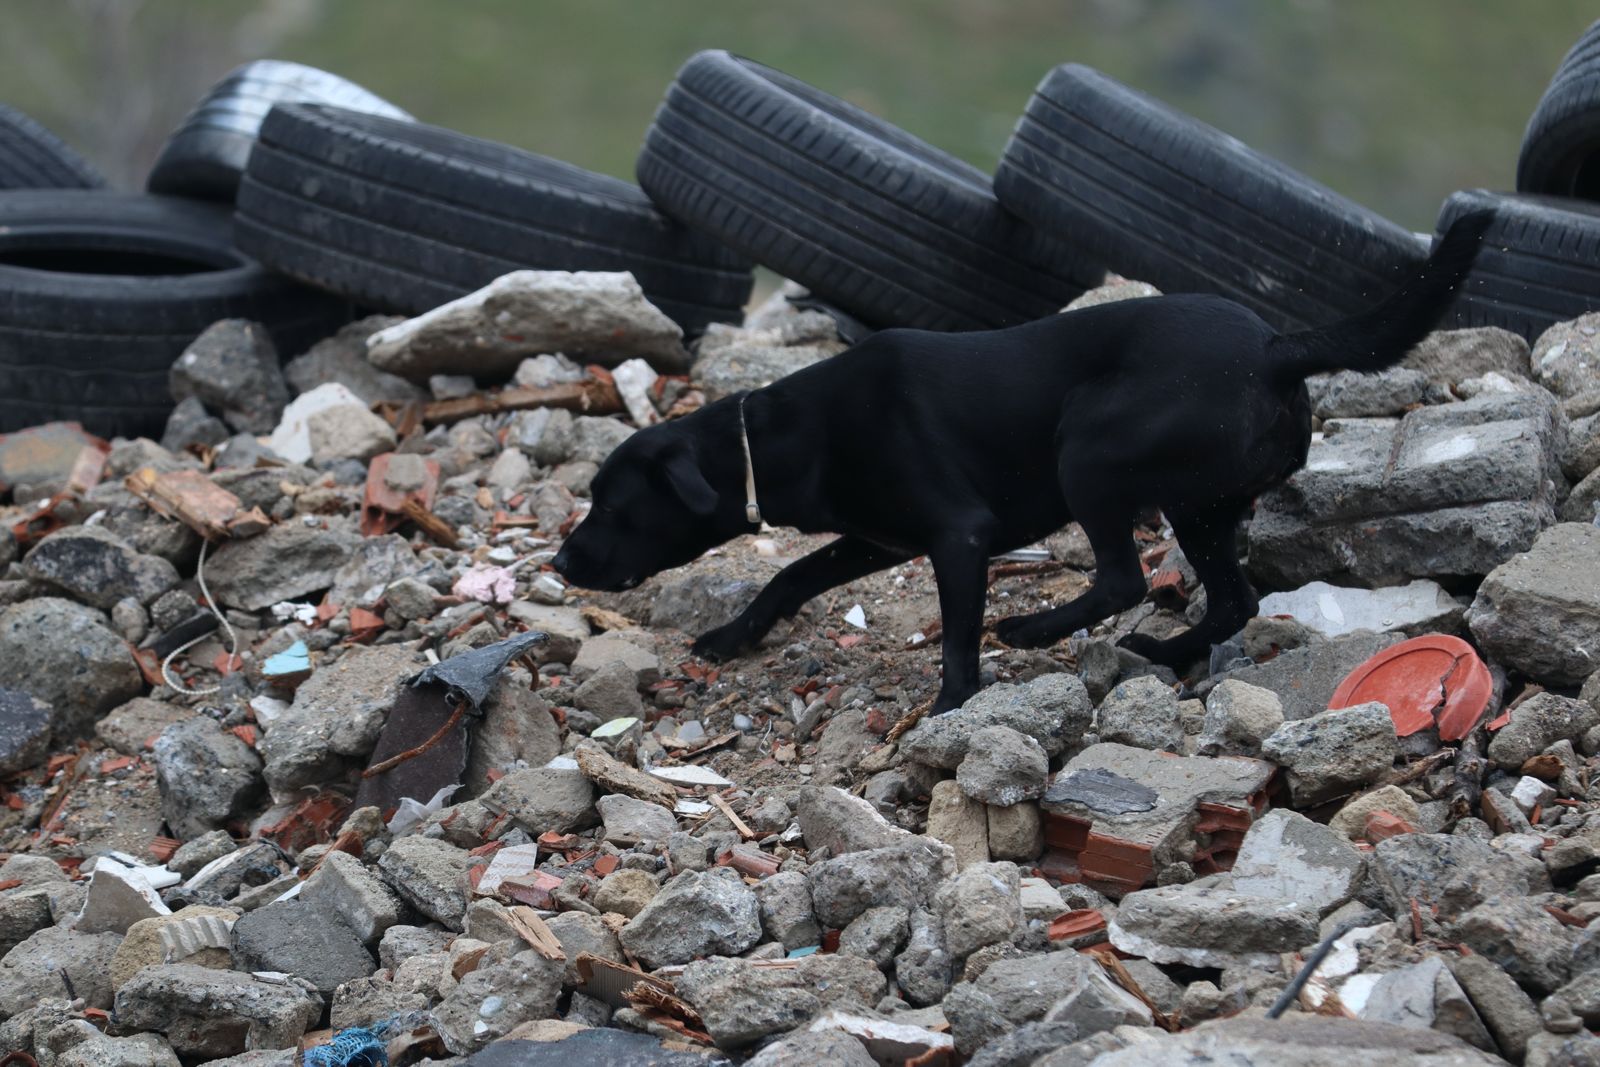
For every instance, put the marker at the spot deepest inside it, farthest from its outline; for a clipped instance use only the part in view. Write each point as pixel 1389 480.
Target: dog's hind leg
pixel 835 563
pixel 1118 585
pixel 1206 536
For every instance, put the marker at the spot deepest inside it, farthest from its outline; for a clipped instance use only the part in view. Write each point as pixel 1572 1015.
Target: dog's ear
pixel 683 474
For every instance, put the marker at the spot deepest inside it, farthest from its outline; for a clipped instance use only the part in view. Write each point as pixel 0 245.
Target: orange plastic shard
pixel 1426 680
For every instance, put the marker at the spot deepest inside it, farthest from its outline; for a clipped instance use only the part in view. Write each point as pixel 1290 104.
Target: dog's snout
pixel 562 561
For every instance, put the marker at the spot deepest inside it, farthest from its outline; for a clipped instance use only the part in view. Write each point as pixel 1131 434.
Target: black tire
pixel 404 217
pixel 31 157
pixel 1561 147
pixel 864 215
pixel 206 155
pixel 100 292
pixel 1164 198
pixel 1539 264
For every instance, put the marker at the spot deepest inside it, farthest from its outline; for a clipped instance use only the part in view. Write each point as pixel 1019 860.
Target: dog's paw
pixel 722 644
pixel 1146 646
pixel 1023 631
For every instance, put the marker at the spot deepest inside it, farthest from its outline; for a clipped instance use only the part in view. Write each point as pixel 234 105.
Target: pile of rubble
pixel 365 808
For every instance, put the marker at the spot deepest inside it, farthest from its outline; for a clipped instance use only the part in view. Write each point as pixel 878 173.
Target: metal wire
pixel 233 638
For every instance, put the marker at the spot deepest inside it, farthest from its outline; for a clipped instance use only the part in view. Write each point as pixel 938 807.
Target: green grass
pixel 1394 105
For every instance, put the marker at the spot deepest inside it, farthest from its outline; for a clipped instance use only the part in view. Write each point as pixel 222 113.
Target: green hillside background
pixel 1393 102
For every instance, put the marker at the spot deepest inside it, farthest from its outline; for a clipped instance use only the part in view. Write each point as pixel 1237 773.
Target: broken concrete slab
pixel 1451 871
pixel 1540 611
pixel 1452 490
pixel 600 317
pixel 1330 754
pixel 1053 709
pixel 1123 814
pixel 1287 856
pixel 1206 927
pixel 695 915
pixel 300 939
pixel 1303 1040
pixel 65 655
pixel 289 561
pixel 207 776
pixel 207 1014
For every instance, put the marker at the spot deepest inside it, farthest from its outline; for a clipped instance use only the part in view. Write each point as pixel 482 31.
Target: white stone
pixel 292 438
pixel 1336 611
pixel 1530 792
pixel 690 774
pixel 119 896
pixel 634 379
pixel 348 431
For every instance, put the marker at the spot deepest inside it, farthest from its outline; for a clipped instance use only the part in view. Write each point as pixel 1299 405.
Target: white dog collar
pixel 752 510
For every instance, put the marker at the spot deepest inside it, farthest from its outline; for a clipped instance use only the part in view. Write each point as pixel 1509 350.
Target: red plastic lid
pixel 1433 678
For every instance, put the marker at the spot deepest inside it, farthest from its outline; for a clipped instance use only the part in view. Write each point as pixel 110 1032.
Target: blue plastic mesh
pixel 354 1047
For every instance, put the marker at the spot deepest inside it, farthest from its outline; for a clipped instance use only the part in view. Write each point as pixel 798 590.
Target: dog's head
pixel 654 508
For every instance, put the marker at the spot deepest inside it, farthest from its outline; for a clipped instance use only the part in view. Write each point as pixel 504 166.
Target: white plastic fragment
pixel 633 380
pixel 410 813
pixel 689 774
pixel 856 617
pixel 118 897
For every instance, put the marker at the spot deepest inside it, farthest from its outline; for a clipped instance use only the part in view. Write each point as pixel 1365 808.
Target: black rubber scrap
pixel 1539 264
pixel 1561 147
pixel 31 157
pixel 1161 197
pixel 403 217
pixel 864 215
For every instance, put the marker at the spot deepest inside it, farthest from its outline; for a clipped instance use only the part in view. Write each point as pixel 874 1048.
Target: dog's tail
pixel 1381 337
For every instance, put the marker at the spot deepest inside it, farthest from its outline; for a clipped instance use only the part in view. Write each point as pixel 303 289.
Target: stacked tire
pixel 403 217
pixel 1541 259
pixel 864 215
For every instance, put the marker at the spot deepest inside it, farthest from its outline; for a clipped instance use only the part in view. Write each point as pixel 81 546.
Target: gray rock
pixel 342 358
pixel 492 1000
pixel 980 906
pixel 1053 709
pixel 975 1020
pixel 290 560
pixel 1540 611
pixel 785 905
pixel 904 875
pixel 1303 1040
pixel 1446 491
pixel 1426 995
pixel 24 731
pixel 1450 357
pixel 1508 1012
pixel 293 937
pixel 1353 394
pixel 700 600
pixel 430 875
pixel 97 568
pixel 342 885
pixel 1419 607
pixel 1566 357
pixel 625 891
pixel 361 581
pixel 1210 927
pixel 1287 856
pixel 400 943
pixel 808 1048
pixel 1239 716
pixel 63 654
pixel 593 438
pixel 1537 723
pixel 636 648
pixel 1142 712
pixel 877 934
pixel 233 368
pixel 566 628
pixel 593 316
pixel 1015 833
pixel 370 1002
pixel 207 1013
pixel 695 915
pixel 923 971
pixel 630 822
pixel 1305 678
pixel 611 692
pixel 131 727
pixel 730 359
pixel 517 724
pixel 195 854
pixel 832 819
pixel 207 776
pixel 1521 938
pixel 741 1004
pixel 1451 871
pixel 348 431
pixel 540 799
pixel 1334 752
pixel 336 716
pixel 1025 1045
pixel 1026 989
pixel 190 424
pixel 57 962
pixel 411 599
pixel 129 619
pixel 1583 503
pixel 1003 767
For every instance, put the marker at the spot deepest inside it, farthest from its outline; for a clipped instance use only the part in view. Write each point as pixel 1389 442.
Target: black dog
pixel 960 446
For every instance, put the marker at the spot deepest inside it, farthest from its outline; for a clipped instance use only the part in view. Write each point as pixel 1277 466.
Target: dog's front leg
pixel 838 562
pixel 961 567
